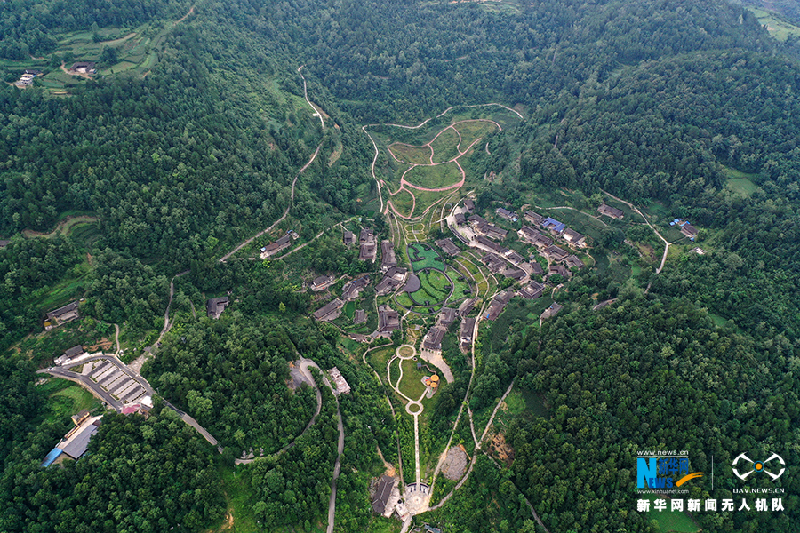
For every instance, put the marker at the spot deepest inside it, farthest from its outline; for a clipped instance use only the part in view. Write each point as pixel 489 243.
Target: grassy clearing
pixel 379 524
pixel 741 183
pixel 718 320
pixel 669 521
pixel 426 199
pixel 423 256
pixel 778 28
pixel 394 371
pixel 656 212
pixel 741 186
pixel 63 227
pixel 445 146
pixel 435 177
pixel 672 233
pixel 350 309
pixel 405 153
pixel 522 403
pixel 472 130
pixel 379 358
pixel 236 484
pixel 65 399
pixel 411 385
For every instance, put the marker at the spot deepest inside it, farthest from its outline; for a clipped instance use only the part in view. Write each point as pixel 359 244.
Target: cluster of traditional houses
pixel 509 263
pixel 447 315
pixel 393 278
pixel 559 259
pixel 388 318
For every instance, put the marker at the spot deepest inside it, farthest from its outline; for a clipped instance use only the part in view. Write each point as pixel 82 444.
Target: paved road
pixel 336 469
pixel 86 382
pixel 304 364
pixel 317 112
pixel 102 394
pixel 193 423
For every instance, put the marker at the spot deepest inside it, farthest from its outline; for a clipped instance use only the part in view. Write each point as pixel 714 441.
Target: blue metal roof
pixel 54 454
pixel 558 226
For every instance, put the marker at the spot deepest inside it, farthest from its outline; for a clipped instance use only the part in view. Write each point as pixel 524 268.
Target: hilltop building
pixel 609 211
pixel 62 315
pixel 215 307
pixel 330 311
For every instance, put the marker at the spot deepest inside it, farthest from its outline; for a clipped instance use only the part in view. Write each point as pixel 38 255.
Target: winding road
pixel 304 365
pixel 225 257
pixel 317 111
pixel 99 392
pixel 403 183
pixel 666 242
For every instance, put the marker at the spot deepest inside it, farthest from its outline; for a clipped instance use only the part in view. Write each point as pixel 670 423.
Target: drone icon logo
pixel 758 466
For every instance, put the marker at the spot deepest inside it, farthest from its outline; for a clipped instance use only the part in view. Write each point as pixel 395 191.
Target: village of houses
pixel 548 238
pixel 550 257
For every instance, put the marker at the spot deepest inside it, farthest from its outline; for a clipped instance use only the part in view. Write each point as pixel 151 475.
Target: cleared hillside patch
pixel 445 146
pixel 472 130
pixel 434 177
pixel 405 153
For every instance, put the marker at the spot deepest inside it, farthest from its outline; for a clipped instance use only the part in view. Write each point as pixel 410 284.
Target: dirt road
pixel 225 257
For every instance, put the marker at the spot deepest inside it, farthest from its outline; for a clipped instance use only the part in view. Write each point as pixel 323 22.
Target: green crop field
pixel 434 177
pixel 778 28
pixel 581 222
pixel 472 130
pixel 458 289
pixel 434 289
pixel 404 300
pixel 423 256
pixel 406 153
pixel 425 199
pixel 445 146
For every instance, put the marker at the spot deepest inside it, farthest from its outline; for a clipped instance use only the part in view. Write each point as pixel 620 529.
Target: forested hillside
pixel 143 193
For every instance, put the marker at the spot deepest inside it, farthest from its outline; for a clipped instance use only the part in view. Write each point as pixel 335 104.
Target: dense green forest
pixel 141 475
pixel 665 103
pixel 648 372
pixel 229 386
